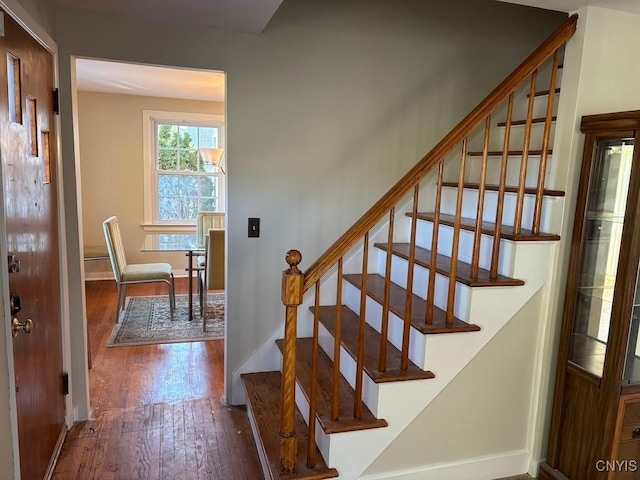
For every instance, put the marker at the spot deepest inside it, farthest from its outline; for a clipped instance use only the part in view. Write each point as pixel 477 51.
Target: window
pixel 178 181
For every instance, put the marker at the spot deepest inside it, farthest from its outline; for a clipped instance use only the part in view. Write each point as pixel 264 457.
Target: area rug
pixel 147 320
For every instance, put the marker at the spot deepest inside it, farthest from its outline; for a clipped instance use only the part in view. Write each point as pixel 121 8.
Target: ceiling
pixel 246 16
pixel 632 6
pixel 148 80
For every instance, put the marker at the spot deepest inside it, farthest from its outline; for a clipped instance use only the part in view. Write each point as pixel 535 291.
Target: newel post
pixel 292 286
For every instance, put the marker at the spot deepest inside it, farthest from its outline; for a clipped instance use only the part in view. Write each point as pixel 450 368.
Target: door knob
pixel 17 327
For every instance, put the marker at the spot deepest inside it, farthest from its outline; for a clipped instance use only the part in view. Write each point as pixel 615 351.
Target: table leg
pixel 190 276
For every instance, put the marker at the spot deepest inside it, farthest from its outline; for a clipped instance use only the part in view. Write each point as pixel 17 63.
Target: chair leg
pixel 118 301
pixel 204 301
pixel 201 295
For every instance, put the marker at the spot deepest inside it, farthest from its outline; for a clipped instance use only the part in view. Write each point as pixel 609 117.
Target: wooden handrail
pixel 352 236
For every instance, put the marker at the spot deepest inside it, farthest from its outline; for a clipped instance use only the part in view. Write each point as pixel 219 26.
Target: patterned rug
pixel 147 320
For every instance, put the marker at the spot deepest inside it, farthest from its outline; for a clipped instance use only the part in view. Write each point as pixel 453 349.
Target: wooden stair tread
pixel 542 93
pixel 443 266
pixel 346 422
pixel 512 153
pixel 488 228
pixel 397 302
pixel 508 189
pixel 350 327
pixel 517 123
pixel 263 404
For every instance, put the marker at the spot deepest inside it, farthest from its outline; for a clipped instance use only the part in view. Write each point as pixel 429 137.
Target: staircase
pixel 405 299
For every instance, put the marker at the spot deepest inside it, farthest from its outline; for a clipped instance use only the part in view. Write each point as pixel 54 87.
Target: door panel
pixel 27 148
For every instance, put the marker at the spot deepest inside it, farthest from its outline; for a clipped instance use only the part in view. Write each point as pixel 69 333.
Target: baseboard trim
pixel 56 453
pixel 534 467
pixel 262 454
pixel 488 467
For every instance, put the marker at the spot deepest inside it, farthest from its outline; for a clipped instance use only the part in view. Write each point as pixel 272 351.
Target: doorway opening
pixel 142 133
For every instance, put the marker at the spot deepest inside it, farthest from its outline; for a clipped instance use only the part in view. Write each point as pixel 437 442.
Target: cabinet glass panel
pixel 632 365
pixel 606 204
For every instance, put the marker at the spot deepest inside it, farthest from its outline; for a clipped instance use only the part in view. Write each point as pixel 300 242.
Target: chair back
pixel 215 259
pixel 207 220
pixel 115 246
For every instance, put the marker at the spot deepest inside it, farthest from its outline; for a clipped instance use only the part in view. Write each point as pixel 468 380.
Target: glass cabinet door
pixel 606 205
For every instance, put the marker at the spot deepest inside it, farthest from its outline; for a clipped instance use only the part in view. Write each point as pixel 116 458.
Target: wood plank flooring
pixel 158 410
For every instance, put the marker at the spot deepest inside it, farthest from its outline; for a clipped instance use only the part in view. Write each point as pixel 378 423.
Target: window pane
pixel 180 197
pixel 208 187
pixel 208 137
pixel 208 205
pixel 189 160
pixel 167 159
pixel 167 136
pixel 186 136
pixel 188 185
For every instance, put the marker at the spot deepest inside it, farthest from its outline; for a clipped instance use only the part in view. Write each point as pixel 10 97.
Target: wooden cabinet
pixel 595 426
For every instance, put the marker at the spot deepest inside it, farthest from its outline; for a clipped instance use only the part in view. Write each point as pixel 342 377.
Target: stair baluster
pixel 502 183
pixel 517 223
pixel 313 395
pixel 542 171
pixel 451 296
pixel 384 328
pixel 357 407
pixel 335 398
pixel 431 288
pixel 408 306
pixel 477 237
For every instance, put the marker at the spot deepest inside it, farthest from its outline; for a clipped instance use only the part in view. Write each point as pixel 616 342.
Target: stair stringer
pixel 399 403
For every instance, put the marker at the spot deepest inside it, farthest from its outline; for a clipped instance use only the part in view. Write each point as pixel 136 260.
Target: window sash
pixel 153 172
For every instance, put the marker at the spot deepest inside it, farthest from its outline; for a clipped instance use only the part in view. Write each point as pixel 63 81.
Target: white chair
pixel 207 220
pixel 127 274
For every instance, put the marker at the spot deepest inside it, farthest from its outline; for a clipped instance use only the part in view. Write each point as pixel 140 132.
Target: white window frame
pixel 151 118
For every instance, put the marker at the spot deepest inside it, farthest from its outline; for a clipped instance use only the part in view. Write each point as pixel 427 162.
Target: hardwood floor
pixel 158 410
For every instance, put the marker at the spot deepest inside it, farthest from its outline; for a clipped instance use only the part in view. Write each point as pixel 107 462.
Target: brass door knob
pixel 17 327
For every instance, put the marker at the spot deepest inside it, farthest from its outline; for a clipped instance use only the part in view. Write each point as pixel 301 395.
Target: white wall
pixel 326 109
pixel 600 76
pixel 112 165
pixel 484 411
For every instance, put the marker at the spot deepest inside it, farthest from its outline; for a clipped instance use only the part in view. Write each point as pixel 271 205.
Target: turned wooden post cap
pixel 293 258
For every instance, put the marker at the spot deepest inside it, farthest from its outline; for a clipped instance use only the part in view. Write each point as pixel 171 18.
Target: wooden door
pixel 27 149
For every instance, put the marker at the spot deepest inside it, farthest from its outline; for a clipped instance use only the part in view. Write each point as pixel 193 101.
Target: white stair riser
pixel 470 207
pixel 348 369
pixel 424 236
pixel 494 165
pixel 396 325
pixel 516 137
pixel 421 283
